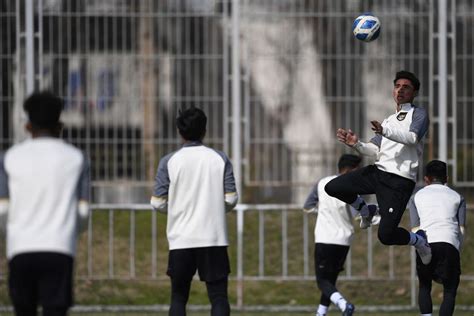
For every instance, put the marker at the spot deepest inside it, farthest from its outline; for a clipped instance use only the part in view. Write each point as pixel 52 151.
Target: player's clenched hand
pixel 377 127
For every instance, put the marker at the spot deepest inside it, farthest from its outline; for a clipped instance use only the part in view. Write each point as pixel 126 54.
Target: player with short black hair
pixel 441 213
pixel 403 74
pixel 348 162
pixel 44 204
pixel 333 235
pixel 191 124
pixel 436 171
pixel 397 147
pixel 44 109
pixel 195 186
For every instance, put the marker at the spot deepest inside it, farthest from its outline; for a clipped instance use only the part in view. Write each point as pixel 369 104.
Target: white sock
pixel 360 206
pixel 415 240
pixel 427 314
pixel 322 310
pixel 338 300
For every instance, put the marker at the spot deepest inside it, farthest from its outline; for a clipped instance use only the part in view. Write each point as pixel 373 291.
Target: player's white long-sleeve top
pixel 400 147
pixel 440 211
pixel 196 186
pixel 334 221
pixel 42 182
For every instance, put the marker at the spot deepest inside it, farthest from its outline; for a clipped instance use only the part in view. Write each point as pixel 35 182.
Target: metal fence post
pixel 443 80
pixel 413 277
pixel 236 106
pixel 30 46
pixel 240 248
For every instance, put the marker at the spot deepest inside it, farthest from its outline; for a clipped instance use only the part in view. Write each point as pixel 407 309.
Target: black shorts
pixel 43 278
pixel 329 259
pixel 445 265
pixel 212 263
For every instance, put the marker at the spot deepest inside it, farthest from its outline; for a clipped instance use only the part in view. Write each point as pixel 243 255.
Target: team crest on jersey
pixel 401 116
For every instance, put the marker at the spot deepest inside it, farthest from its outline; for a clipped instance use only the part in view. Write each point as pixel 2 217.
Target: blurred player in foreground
pixel 44 194
pixel 333 235
pixel 195 186
pixel 441 212
pixel 397 147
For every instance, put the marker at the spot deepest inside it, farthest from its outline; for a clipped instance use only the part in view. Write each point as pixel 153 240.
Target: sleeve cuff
pixel 159 203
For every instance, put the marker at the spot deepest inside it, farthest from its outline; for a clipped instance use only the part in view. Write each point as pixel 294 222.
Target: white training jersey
pixel 334 221
pixel 43 180
pixel 401 145
pixel 194 181
pixel 440 211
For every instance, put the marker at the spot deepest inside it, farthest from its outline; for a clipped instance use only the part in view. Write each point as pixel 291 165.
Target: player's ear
pixel 29 127
pixel 203 134
pixel 60 127
pixel 427 180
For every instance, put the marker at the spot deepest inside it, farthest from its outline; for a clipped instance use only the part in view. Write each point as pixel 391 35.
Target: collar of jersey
pixel 193 143
pixel 405 107
pixel 38 138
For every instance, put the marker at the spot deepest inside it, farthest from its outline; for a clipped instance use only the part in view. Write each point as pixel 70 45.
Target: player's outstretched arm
pixel 351 139
pixel 347 137
pixel 418 129
pixel 394 133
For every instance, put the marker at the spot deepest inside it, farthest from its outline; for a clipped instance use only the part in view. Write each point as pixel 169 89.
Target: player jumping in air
pixel 397 147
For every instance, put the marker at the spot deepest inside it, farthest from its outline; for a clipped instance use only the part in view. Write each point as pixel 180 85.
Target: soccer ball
pixel 366 27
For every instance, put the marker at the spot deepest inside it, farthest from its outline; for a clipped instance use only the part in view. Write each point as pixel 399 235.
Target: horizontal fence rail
pixel 268 218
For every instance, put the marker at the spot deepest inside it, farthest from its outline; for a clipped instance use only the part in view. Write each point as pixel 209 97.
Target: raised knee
pixel 385 237
pixel 330 188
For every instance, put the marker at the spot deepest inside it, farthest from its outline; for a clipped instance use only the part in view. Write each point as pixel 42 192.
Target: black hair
pixel 437 170
pixel 348 161
pixel 191 124
pixel 43 109
pixel 403 74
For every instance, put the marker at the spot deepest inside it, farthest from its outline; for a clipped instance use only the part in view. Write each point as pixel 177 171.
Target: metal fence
pixel 267 243
pixel 276 78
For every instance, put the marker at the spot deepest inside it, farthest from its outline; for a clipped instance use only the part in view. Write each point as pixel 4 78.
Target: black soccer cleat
pixel 350 308
pixel 366 221
pixel 423 247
